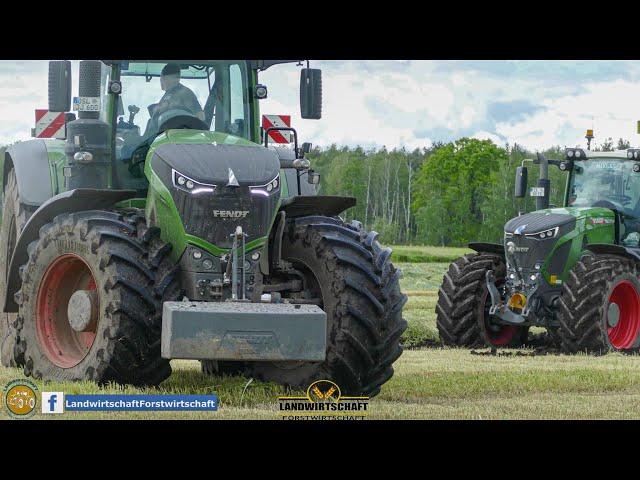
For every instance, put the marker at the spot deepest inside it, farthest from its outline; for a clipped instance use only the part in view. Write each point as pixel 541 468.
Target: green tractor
pixel 572 270
pixel 180 233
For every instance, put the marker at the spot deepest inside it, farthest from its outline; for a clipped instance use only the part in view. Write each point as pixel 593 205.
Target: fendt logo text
pixel 230 213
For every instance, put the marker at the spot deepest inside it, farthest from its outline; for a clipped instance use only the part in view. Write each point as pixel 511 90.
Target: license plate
pixel 86 104
pixel 537 192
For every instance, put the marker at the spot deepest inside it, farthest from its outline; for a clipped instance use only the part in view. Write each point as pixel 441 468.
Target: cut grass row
pixel 426 254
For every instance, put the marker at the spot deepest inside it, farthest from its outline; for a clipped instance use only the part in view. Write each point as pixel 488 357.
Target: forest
pixel 446 195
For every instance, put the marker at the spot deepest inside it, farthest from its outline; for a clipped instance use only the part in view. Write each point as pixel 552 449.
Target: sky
pixel 412 104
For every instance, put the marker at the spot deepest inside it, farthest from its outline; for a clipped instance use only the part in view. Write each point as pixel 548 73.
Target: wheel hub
pixel 82 310
pixel 613 315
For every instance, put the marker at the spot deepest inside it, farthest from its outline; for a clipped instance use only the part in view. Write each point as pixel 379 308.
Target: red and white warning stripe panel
pixel 270 121
pixel 49 124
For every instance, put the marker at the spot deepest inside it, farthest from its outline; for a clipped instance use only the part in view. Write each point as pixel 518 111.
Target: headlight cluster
pixel 575 153
pixel 189 185
pixel 552 232
pixel 268 188
pixel 633 153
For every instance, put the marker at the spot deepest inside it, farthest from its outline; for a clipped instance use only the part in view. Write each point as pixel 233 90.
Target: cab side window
pixel 237 117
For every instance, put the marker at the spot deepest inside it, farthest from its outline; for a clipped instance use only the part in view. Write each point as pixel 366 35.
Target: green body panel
pixel 57 162
pixel 585 232
pixel 132 203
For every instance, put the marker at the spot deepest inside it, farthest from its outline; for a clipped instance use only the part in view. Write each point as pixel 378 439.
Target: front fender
pixel 612 249
pixel 78 200
pixel 327 205
pixel 30 161
pixel 481 247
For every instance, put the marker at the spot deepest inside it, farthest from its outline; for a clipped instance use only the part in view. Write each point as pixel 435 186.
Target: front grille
pixel 198 218
pixel 537 250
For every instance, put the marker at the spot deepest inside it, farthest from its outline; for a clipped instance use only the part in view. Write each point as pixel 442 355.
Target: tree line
pixel 448 194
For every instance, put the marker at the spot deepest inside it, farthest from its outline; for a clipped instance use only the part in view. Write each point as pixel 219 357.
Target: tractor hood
pixel 210 163
pixel 542 241
pixel 543 220
pixel 240 171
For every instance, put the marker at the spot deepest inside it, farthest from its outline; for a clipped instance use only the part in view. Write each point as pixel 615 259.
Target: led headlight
pixel 189 185
pixel 266 189
pixel 552 232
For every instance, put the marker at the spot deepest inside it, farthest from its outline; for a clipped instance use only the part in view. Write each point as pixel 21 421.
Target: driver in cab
pixel 176 95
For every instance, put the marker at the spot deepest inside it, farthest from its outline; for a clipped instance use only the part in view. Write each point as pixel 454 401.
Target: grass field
pixel 429 383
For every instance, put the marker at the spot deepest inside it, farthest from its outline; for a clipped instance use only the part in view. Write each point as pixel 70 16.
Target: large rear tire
pixel 14 217
pixel 115 260
pixel 600 306
pixel 360 292
pixel 462 311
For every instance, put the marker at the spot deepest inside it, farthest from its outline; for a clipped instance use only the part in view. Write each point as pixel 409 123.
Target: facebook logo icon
pixel 52 402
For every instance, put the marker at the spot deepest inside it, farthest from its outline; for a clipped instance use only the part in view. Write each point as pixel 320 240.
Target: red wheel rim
pixel 498 334
pixel 59 342
pixel 626 297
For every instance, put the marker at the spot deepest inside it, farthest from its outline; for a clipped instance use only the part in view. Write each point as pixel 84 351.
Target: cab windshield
pixel 609 183
pixel 157 96
pixel 605 182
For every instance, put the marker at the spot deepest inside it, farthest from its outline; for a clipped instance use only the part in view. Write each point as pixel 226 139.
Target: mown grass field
pixel 429 383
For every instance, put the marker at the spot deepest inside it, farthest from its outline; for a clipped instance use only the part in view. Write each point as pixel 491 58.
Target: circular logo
pixel 323 391
pixel 20 398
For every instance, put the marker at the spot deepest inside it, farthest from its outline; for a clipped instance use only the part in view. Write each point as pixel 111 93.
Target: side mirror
pixel 59 86
pixel 521 182
pixel 304 149
pixel 311 93
pixel 313 178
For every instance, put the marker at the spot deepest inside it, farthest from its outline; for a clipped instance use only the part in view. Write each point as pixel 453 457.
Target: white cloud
pixel 413 103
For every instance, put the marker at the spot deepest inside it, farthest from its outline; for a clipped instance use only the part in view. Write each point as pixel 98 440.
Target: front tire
pixel 600 306
pixel 360 292
pixel 109 257
pixel 462 311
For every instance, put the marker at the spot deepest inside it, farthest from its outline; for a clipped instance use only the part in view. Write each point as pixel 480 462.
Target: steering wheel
pixel 187 121
pixel 611 205
pixel 174 118
pixel 623 199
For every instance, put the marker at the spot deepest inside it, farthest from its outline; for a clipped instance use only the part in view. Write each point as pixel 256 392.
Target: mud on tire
pixel 361 296
pixel 593 284
pixel 131 278
pixel 461 315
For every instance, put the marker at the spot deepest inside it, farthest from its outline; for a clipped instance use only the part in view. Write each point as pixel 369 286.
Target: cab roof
pixel 615 154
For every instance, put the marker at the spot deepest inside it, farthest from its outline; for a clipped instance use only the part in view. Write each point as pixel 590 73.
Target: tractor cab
pixel 212 96
pixel 610 180
pixel 126 106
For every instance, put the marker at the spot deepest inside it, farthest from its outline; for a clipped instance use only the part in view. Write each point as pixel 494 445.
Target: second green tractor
pixel 573 271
